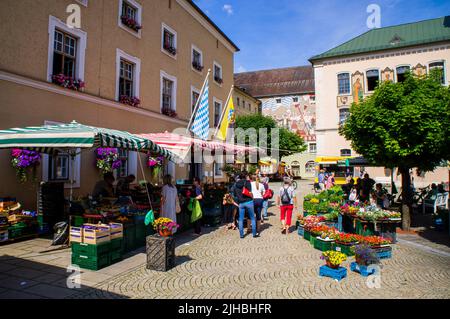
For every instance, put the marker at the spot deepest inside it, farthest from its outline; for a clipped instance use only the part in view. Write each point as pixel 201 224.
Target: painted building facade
pixel 350 72
pixel 163 64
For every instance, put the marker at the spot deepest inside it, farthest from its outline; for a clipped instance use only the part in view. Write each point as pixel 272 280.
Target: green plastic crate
pixel 307 235
pixel 116 243
pixel 115 256
pixel 312 239
pixel 91 263
pixel 90 250
pixel 364 228
pixel 346 249
pixel 78 221
pixel 141 232
pixel 129 237
pixel 323 245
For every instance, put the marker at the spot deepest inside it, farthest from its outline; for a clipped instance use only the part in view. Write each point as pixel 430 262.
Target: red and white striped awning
pixel 180 144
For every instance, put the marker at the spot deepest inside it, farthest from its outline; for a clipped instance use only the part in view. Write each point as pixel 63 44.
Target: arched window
pixel 401 73
pixel 439 66
pixel 344 113
pixel 372 77
pixel 344 83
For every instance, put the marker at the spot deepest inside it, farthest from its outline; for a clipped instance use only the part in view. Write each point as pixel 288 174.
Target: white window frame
pixel 171 30
pixel 136 74
pixel 345 149
pixel 216 100
pixel 343 107
pixel 172 78
pixel 366 83
pixel 215 63
pixel 76 177
pixel 315 148
pixel 131 165
pixel 193 90
pixel 55 23
pixel 138 7
pixel 215 166
pixel 349 81
pixel 83 2
pixel 194 47
pixel 399 66
pixel 446 82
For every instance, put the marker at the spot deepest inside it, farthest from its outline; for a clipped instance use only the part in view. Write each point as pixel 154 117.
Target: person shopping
pixel 258 191
pixel 286 200
pixel 242 193
pixel 169 196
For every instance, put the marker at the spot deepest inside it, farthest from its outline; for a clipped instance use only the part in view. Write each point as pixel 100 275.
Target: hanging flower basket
pixel 107 159
pixel 155 164
pixel 23 161
pixel 132 101
pixel 68 82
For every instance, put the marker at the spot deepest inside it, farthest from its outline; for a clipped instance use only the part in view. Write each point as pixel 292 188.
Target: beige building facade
pixel 152 52
pixel 342 78
pixel 244 103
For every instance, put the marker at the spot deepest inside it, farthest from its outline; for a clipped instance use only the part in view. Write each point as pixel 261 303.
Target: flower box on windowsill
pixel 132 101
pixel 218 80
pixel 131 23
pixel 171 50
pixel 170 113
pixel 68 82
pixel 197 66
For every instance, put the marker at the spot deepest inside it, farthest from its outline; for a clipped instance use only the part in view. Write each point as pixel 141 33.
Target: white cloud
pixel 241 69
pixel 228 9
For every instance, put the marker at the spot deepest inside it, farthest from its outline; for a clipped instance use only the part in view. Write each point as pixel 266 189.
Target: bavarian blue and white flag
pixel 200 125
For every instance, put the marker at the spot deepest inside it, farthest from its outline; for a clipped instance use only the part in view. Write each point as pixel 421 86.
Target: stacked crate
pixel 116 249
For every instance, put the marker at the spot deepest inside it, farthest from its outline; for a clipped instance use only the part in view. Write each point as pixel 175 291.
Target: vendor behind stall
pixel 123 185
pixel 104 187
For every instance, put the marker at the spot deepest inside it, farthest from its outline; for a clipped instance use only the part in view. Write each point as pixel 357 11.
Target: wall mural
pixel 357 86
pixel 298 117
pixel 387 75
pixel 419 70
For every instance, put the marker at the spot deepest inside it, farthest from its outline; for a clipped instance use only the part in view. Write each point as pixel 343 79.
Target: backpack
pixel 285 198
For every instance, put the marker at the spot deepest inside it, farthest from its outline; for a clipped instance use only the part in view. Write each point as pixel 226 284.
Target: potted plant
pixel 132 101
pixel 165 226
pixel 365 255
pixel 107 159
pixel 131 23
pixel 22 160
pixel 375 241
pixel 333 259
pixel 68 82
pixel 155 164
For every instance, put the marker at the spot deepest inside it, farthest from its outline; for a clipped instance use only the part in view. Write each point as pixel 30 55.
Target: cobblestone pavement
pixel 221 265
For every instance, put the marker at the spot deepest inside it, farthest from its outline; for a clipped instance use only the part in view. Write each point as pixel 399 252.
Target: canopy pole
pixel 145 180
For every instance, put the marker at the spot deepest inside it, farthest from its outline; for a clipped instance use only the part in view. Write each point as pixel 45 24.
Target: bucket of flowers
pixel 333 259
pixel 155 164
pixel 165 226
pixel 22 160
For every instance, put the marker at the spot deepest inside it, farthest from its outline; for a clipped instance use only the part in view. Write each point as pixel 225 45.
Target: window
pixel 218 169
pixel 122 171
pixel 312 148
pixel 130 17
pixel 59 167
pixel 344 113
pixel 295 99
pixel 310 167
pixel 401 73
pixel 126 78
pixel 278 101
pixel 217 111
pixel 346 152
pixel 438 66
pixel 238 102
pixel 372 77
pixel 218 73
pixel 312 98
pixel 197 59
pixel 168 94
pixel 195 94
pixel 344 83
pixel 83 2
pixel 64 56
pixel 169 41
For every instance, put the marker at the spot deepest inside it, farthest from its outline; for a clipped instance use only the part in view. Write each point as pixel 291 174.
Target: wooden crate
pixel 76 234
pixel 116 230
pixel 101 233
pixel 160 253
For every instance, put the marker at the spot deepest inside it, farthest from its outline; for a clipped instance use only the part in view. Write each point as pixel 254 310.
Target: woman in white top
pixel 258 193
pixel 169 199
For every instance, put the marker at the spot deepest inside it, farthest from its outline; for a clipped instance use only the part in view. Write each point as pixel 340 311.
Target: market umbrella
pixel 49 138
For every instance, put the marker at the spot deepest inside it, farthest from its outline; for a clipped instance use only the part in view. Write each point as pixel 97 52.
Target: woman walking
pixel 258 191
pixel 265 199
pixel 198 195
pixel 286 200
pixel 243 195
pixel 169 199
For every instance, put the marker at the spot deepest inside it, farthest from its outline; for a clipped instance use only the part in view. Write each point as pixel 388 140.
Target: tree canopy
pixel 403 124
pixel 289 142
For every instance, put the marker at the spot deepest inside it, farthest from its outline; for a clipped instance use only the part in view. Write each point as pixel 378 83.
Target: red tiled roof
pixel 277 82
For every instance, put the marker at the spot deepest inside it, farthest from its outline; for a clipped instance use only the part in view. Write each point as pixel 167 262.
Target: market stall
pixel 116 224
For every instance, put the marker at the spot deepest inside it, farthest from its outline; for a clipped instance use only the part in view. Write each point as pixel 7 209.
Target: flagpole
pixel 198 101
pixel 223 112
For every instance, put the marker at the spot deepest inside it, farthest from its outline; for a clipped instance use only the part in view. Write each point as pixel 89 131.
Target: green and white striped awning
pixel 49 138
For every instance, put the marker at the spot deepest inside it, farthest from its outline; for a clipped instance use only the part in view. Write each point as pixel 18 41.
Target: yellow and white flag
pixel 228 118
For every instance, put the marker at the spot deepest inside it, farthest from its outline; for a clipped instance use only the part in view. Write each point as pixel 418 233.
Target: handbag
pixel 246 192
pixel 268 194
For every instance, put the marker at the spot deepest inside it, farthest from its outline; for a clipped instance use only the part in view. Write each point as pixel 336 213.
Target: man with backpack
pixel 286 200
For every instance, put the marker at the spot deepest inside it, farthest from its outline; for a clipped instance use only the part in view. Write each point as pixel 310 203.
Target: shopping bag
pixel 196 211
pixel 149 218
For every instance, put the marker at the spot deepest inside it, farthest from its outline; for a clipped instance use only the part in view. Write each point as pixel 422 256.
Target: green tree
pixel 289 143
pixel 404 125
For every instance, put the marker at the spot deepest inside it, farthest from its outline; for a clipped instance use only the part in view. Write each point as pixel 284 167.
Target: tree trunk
pixel 406 198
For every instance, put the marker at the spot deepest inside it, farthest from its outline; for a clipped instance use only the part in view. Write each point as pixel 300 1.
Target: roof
pixel 277 82
pixel 192 3
pixel 247 94
pixel 388 38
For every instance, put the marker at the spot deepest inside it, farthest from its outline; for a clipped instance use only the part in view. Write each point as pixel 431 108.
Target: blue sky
pixel 283 33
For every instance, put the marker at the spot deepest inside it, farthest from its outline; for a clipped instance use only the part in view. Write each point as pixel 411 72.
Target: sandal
pixel 283 231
